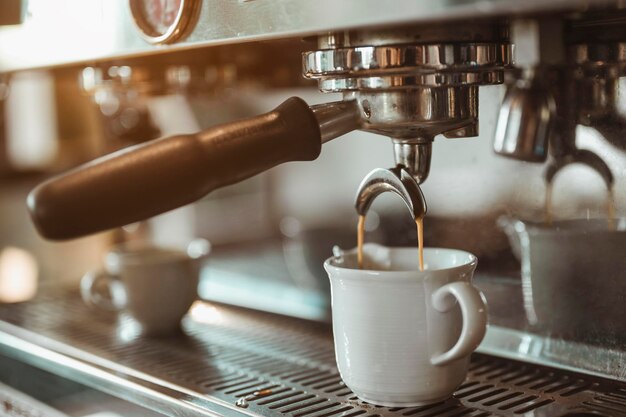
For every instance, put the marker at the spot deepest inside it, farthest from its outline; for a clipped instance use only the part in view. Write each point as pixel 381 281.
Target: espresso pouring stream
pixel 360 235
pixel 419 222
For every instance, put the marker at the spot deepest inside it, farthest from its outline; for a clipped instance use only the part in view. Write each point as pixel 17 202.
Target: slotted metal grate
pixel 260 364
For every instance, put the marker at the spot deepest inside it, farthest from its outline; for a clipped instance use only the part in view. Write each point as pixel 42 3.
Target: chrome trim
pixel 334 85
pixel 406 59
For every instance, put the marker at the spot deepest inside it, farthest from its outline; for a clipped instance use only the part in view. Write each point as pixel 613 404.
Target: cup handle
pixel 90 281
pixel 474 312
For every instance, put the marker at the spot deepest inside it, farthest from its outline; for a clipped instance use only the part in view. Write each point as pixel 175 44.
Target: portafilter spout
pixel 580 156
pixel 397 180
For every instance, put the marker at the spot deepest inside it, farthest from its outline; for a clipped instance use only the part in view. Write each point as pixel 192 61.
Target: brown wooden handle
pixel 148 179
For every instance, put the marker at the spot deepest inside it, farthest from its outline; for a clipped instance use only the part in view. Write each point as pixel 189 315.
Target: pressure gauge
pixel 164 21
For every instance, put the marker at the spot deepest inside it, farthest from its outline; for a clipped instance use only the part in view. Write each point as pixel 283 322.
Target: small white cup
pixel 403 336
pixel 154 285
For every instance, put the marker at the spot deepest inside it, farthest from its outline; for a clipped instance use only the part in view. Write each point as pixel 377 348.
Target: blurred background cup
pixel 155 285
pixel 573 274
pixel 403 336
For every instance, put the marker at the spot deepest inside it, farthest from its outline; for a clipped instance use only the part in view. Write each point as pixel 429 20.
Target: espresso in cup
pixel 402 336
pixel 154 285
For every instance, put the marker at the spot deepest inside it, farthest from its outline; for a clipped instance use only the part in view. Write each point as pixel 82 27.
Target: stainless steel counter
pixel 279 366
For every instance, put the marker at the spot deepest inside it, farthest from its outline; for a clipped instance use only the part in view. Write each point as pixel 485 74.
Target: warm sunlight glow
pixel 18 275
pixel 205 313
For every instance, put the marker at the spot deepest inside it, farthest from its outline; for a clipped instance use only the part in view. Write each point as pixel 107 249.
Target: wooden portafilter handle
pixel 151 178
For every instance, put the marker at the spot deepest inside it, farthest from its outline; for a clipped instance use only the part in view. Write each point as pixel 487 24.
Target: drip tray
pixel 231 362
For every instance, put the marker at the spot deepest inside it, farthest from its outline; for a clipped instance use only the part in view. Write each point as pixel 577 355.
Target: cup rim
pixel 133 254
pixel 130 254
pixel 413 273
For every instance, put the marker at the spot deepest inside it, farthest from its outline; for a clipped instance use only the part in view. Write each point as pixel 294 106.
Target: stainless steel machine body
pixel 412 92
pixel 407 70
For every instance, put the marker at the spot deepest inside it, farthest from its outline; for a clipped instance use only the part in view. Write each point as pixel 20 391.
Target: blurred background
pixel 269 234
pixel 80 79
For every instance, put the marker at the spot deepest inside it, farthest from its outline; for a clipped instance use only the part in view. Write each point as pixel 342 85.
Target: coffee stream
pixel 610 207
pixel 360 235
pixel 419 222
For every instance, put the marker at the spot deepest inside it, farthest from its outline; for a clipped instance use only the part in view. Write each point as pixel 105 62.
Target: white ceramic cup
pixel 403 336
pixel 154 285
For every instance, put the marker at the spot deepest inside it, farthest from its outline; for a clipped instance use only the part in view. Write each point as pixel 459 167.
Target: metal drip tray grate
pixel 231 361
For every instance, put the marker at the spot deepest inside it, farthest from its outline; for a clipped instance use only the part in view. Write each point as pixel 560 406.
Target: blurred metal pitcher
pixel 573 277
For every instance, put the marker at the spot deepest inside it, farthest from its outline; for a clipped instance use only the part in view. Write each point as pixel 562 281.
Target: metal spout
pixel 414 156
pixel 584 157
pixel 525 122
pixel 397 180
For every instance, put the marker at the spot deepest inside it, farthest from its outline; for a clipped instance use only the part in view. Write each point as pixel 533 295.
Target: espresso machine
pixel 401 77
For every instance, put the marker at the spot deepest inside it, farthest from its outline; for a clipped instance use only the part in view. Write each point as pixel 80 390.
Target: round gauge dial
pixel 164 21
